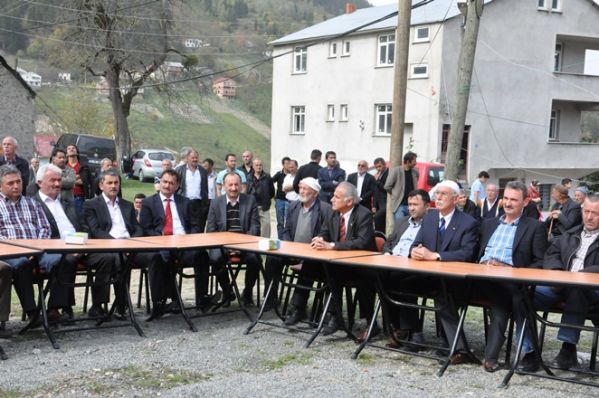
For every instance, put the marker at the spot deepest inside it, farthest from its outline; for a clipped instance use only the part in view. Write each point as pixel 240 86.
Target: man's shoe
pixel 172 308
pixel 362 335
pixel 96 311
pixel 295 317
pixel 227 299
pixel 491 365
pixel 247 300
pixel 566 359
pixel 417 337
pixel 209 301
pixel 529 363
pixel 2 326
pixel 158 310
pixel 332 325
pixel 54 316
pixel 121 316
pixel 461 357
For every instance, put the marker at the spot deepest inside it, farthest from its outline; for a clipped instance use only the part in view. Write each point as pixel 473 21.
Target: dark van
pixel 92 149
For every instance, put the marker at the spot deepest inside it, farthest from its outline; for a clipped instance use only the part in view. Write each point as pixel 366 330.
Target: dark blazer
pixel 151 218
pixel 460 239
pixel 181 170
pixel 401 225
pixel 380 194
pixel 570 217
pixel 396 185
pixel 367 188
pixel 248 213
pixel 99 223
pixel 320 212
pixel 329 183
pixel 529 245
pixel 23 166
pixel 305 170
pixel 562 251
pixel 262 189
pixel 471 209
pixel 69 209
pixel 359 233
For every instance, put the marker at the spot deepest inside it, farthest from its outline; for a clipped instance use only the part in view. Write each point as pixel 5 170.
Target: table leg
pixel 3 354
pixel 322 318
pixel 370 327
pixel 173 279
pixel 236 291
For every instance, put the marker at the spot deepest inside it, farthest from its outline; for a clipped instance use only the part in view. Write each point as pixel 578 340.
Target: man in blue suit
pixel 329 177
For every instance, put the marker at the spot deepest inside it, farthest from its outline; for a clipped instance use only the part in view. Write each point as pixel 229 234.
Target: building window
pixel 383 119
pixel 550 5
pixel 346 48
pixel 386 50
pixel 332 50
pixel 343 115
pixel 557 67
pixel 330 113
pixel 298 119
pixel 419 71
pixel 421 35
pixel 554 125
pixel 300 60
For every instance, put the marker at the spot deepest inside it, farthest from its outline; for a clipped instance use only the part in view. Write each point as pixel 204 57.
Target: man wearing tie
pixel 365 184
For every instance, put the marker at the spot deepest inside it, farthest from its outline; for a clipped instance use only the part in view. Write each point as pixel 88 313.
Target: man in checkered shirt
pixel 22 217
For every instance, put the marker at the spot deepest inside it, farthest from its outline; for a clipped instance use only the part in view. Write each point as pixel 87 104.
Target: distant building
pixel 224 87
pixel 32 78
pixel 532 90
pixel 64 77
pixel 17 115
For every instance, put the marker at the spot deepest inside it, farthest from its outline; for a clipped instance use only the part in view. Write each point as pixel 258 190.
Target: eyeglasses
pixel 362 165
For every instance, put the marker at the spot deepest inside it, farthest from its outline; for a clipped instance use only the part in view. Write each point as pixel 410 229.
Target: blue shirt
pixel 407 238
pixel 479 187
pixel 501 244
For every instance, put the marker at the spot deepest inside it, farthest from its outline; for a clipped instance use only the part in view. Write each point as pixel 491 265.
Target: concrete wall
pixel 16 113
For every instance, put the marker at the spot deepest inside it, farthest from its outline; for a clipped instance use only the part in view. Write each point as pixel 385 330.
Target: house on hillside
pixel 31 78
pixel 224 87
pixel 17 114
pixel 535 85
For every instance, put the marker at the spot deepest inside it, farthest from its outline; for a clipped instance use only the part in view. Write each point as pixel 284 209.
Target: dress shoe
pixel 96 311
pixel 226 301
pixel 332 325
pixel 34 318
pixel 209 301
pixel 121 316
pixel 296 316
pixel 566 359
pixel 529 363
pixel 362 335
pixel 158 310
pixel 172 308
pixel 491 365
pixel 54 316
pixel 247 300
pixel 461 357
pixel 2 326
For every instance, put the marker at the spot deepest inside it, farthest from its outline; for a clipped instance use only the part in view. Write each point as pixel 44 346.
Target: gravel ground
pixel 219 359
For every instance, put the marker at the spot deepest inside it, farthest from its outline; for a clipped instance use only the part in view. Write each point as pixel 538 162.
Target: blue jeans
pixel 79 205
pixel 545 298
pixel 401 211
pixel 47 261
pixel 280 210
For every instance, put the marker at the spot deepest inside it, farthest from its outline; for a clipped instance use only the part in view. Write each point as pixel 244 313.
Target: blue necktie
pixel 442 228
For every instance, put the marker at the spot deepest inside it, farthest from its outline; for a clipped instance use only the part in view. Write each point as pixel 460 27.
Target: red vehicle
pixel 429 174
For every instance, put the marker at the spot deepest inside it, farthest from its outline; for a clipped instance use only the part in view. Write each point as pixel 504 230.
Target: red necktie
pixel 168 219
pixel 341 229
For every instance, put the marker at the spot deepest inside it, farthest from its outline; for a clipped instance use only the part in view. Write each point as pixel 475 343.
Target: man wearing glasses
pixel 364 182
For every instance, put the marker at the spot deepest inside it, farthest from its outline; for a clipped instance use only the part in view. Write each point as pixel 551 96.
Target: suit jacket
pixel 69 209
pixel 99 223
pixel 530 241
pixel 152 215
pixel 320 212
pixel 495 211
pixel 367 188
pixel 401 225
pixel 562 250
pixel 182 171
pixel 570 217
pixel 380 194
pixel 23 166
pixel 248 214
pixel 396 185
pixel 359 233
pixel 459 241
pixel 328 183
pixel 305 170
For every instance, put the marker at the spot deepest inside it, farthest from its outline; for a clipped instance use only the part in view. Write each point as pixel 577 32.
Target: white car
pixel 147 163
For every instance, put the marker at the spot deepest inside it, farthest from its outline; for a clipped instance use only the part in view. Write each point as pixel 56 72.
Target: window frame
pixel 300 59
pixel 558 57
pixel 333 45
pixel 344 52
pixel 554 121
pixel 343 113
pixel 298 111
pixel 424 39
pixel 387 45
pixel 387 115
pixel 330 113
pixel 549 5
pixel 414 75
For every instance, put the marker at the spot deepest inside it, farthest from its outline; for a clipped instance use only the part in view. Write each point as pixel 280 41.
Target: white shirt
pixel 193 183
pixel 211 185
pixel 119 229
pixel 62 221
pixel 288 182
pixel 359 183
pixel 178 228
pixel 346 217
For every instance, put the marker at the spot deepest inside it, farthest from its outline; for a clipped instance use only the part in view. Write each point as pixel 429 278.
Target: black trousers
pixel 161 272
pixel 253 264
pixel 274 268
pixel 198 209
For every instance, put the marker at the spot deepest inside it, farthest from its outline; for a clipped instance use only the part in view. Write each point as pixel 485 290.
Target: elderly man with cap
pixel 302 222
pixel 580 194
pixel 445 235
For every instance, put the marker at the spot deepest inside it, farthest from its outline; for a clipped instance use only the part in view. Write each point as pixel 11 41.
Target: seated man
pixel 576 250
pixel 491 206
pixel 302 222
pixel 565 212
pixel 22 217
pixel 404 321
pixel 109 217
pixel 513 240
pixel 446 234
pixel 235 212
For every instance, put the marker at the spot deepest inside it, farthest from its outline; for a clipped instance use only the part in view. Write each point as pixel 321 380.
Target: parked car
pixel 429 174
pixel 92 149
pixel 147 163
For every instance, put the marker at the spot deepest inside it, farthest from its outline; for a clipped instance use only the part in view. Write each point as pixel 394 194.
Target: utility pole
pixel 400 86
pixel 472 9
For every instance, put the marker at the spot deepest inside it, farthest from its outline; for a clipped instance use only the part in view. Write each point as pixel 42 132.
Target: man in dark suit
pixel 364 181
pixel 309 169
pixel 491 206
pixel 446 234
pixel 329 177
pixel 234 212
pixel 379 208
pixel 109 217
pixel 303 222
pixel 194 186
pixel 168 213
pixel 10 157
pixel 565 212
pixel 349 227
pixel 512 240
